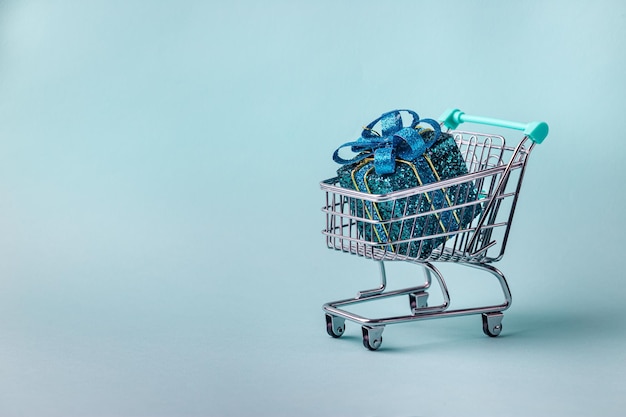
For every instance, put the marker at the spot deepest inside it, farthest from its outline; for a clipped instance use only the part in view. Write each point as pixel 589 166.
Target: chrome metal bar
pixel 380 289
pixel 505 238
pixel 379 198
pixel 492 201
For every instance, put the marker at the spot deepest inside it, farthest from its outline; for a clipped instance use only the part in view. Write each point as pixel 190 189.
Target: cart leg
pixel 335 326
pixel 492 324
pixel 419 300
pixel 380 289
pixel 372 337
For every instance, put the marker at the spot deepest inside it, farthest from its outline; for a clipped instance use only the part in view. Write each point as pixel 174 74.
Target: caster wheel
pixel 335 326
pixel 372 337
pixel 492 324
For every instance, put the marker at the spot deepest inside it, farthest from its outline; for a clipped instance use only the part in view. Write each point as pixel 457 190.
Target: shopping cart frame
pixel 497 169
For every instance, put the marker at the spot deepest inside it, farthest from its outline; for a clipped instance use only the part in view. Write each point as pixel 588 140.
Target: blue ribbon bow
pixel 396 141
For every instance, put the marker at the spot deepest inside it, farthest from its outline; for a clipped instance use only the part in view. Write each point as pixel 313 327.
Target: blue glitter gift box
pixel 402 158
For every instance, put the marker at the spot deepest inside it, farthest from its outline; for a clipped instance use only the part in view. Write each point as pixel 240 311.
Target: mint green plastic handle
pixel 536 131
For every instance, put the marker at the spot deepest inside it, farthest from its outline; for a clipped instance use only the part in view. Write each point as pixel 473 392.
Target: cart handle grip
pixel 536 131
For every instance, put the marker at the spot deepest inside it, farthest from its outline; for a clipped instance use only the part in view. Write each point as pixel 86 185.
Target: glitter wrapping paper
pixel 441 161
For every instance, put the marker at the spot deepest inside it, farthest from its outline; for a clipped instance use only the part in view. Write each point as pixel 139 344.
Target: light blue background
pixel 160 246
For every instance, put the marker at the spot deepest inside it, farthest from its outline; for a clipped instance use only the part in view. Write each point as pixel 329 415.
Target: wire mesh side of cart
pixel 495 172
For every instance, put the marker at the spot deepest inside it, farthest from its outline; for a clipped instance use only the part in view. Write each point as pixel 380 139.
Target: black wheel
pixel 371 339
pixel 334 328
pixel 492 324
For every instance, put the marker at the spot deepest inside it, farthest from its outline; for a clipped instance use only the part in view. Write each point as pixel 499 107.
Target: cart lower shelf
pixel 372 328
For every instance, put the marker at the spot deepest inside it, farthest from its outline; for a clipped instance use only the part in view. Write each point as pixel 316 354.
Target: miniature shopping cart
pixel 495 169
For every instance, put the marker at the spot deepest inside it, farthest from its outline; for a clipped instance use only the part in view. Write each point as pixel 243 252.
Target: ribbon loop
pixel 396 141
